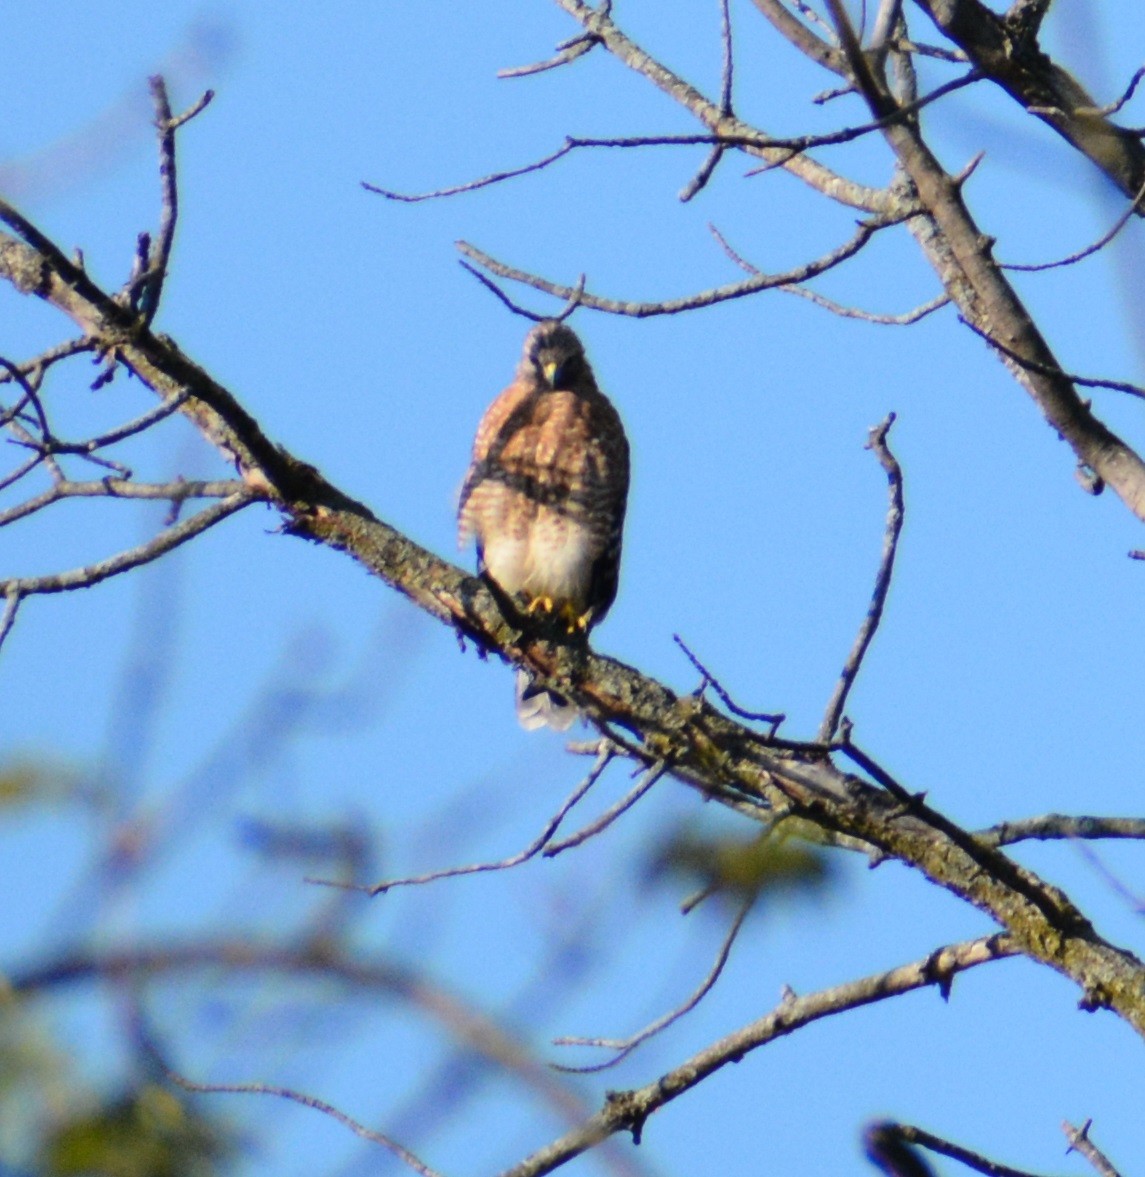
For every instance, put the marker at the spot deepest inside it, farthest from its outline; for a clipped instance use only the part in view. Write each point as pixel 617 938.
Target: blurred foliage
pixel 782 861
pixel 53 1126
pixel 147 1132
pixel 27 782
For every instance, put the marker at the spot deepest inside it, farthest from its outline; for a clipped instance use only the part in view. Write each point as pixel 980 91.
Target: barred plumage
pixel 545 496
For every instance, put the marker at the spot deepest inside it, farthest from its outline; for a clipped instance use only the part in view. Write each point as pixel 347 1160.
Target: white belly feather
pixel 554 559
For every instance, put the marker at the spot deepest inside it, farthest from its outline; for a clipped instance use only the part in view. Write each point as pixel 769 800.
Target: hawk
pixel 545 498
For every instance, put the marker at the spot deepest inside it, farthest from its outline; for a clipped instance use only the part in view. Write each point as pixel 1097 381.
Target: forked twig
pixel 603 759
pixel 648 779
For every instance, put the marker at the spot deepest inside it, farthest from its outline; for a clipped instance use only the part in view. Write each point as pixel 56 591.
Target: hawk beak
pixel 550 370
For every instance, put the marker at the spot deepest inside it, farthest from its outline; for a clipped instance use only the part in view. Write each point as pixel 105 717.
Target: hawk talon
pixel 540 605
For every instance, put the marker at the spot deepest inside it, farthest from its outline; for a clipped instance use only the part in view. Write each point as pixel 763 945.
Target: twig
pixel 878 444
pixel 1099 244
pixel 710 680
pixel 871 767
pixel 700 180
pixel 570 50
pixel 707 169
pixel 310 1101
pixel 118 488
pixel 147 289
pixel 1080 1142
pixel 492 286
pixel 576 143
pixel 1050 369
pixel 34 368
pixel 625 1046
pixel 627 1111
pixel 12 478
pixel 906 319
pixel 880 1136
pixel 706 298
pixel 8 617
pixel 142 422
pixel 649 778
pixel 144 553
pixel 1136 902
pixel 1059 826
pixel 604 757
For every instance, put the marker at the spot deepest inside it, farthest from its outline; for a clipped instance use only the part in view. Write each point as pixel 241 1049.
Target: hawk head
pixel 553 358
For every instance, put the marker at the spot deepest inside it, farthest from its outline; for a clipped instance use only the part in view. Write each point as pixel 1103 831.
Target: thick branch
pixel 1006 50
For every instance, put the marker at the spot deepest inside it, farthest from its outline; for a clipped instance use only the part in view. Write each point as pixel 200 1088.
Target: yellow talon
pixel 541 605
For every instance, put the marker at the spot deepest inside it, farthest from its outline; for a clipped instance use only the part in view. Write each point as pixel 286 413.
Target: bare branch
pixel 906 319
pixel 830 183
pixel 648 779
pixel 146 289
pixel 1059 826
pixel 794 30
pixel 877 443
pixel 903 320
pixel 571 144
pixel 1051 369
pixel 119 488
pixel 603 759
pixel 567 51
pixel 1006 49
pixel 709 680
pixel 135 557
pixel 1080 1142
pixel 705 298
pixel 310 1101
pixel 625 1046
pixel 1089 250
pixel 627 1111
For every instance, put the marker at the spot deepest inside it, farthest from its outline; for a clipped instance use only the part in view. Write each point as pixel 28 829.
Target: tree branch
pixel 627 1111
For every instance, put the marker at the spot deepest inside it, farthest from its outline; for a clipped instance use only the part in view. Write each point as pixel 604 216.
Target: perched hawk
pixel 545 497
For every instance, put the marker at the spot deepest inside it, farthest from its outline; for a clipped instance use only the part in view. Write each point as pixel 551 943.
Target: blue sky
pixel 1004 681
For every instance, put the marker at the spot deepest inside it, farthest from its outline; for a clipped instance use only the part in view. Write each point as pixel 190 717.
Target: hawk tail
pixel 538 707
